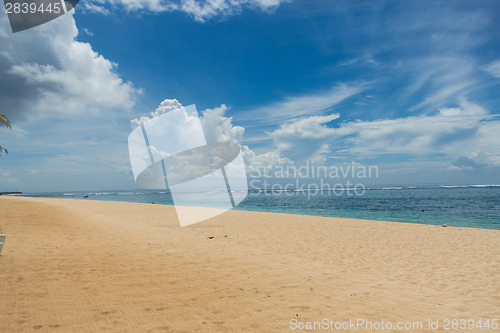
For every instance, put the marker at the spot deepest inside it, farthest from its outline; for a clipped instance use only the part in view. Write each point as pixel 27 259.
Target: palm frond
pixel 4 121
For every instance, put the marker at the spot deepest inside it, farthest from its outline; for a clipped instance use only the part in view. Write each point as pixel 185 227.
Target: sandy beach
pixel 91 266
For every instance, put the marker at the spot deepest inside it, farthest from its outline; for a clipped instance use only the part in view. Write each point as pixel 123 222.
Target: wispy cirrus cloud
pixel 494 68
pixel 299 106
pixel 199 10
pixel 441 80
pixel 464 133
pixel 95 8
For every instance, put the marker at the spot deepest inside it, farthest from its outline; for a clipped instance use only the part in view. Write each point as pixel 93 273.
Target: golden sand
pixel 80 265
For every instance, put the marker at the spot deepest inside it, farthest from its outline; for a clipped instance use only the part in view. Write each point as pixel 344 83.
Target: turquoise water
pixel 475 206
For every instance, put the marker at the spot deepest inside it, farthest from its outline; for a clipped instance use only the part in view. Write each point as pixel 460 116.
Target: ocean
pixel 473 206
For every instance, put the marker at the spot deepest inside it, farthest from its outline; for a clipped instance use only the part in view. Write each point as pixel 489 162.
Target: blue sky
pixel 411 87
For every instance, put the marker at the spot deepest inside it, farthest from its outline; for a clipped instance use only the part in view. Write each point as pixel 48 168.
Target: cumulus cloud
pixel 164 107
pixel 465 135
pixel 304 139
pixel 200 10
pixel 218 127
pixel 255 163
pixel 45 71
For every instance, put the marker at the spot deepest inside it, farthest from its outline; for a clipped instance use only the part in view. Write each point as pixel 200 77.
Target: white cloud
pixel 467 134
pixel 66 103
pixel 200 10
pixel 255 163
pixel 165 106
pixel 46 71
pixel 87 32
pixel 216 126
pixel 89 7
pixel 311 127
pixel 304 139
pixel 293 107
pixel 442 79
pixel 443 132
pixel 494 68
pixel 219 128
pixel 306 134
pixel 295 142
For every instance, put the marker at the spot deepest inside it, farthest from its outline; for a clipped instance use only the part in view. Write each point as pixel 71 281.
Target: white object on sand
pixel 2 240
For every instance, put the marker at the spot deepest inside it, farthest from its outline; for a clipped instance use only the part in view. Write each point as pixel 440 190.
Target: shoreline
pixel 436 224
pixel 89 265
